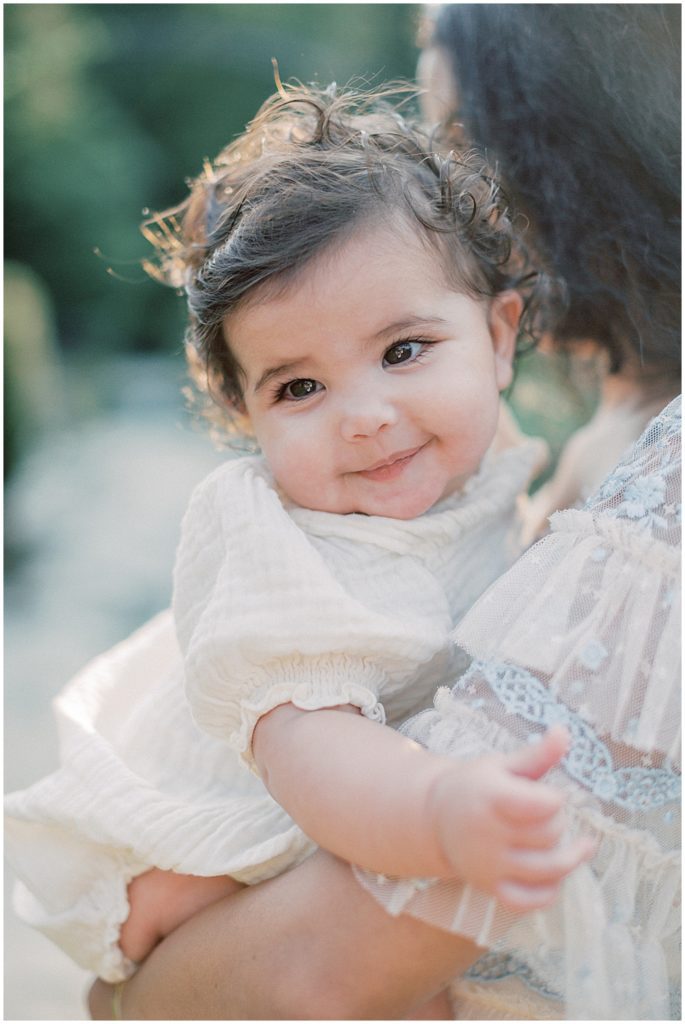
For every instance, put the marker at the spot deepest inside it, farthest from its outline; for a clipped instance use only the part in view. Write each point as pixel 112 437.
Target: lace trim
pixel 497 966
pixel 619 533
pixel 645 487
pixel 589 761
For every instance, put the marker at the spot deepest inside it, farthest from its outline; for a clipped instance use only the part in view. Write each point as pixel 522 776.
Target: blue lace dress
pixel 583 630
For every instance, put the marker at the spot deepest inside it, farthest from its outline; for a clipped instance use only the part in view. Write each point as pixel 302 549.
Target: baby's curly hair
pixel 310 168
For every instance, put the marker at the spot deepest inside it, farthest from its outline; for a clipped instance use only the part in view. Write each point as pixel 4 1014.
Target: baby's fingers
pixel 533 760
pixel 524 898
pixel 540 835
pixel 521 802
pixel 547 867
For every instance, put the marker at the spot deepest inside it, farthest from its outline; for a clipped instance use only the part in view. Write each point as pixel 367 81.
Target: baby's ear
pixel 503 319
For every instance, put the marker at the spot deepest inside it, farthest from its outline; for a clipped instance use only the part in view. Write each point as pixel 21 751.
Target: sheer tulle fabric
pixel 583 630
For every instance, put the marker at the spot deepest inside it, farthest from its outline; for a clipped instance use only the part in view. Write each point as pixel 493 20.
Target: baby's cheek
pixel 297 471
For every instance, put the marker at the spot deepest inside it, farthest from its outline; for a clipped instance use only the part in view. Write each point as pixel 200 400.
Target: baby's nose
pixel 362 419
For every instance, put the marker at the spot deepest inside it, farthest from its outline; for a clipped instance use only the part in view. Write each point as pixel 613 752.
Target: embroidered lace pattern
pixel 498 966
pixel 583 630
pixel 589 760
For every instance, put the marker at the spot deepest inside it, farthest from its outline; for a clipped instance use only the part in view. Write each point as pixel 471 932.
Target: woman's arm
pixel 312 943
pixel 372 796
pixel 308 945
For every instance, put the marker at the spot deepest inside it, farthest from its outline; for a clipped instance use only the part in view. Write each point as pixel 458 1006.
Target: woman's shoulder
pixel 644 490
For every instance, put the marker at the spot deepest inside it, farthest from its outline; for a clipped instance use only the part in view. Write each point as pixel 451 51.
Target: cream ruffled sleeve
pixel 263 619
pixel 583 630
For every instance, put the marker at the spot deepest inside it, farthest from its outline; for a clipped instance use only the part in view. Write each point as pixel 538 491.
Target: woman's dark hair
pixel 308 170
pixel 579 104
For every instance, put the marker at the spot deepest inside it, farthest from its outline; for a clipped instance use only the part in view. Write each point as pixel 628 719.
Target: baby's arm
pixel 376 798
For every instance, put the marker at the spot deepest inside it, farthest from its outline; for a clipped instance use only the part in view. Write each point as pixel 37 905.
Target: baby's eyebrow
pixel 411 320
pixel 276 371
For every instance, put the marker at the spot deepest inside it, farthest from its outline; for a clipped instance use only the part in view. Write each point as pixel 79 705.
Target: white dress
pixel 272 603
pixel 583 630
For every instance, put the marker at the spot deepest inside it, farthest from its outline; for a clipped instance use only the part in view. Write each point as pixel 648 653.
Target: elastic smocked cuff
pixel 310 687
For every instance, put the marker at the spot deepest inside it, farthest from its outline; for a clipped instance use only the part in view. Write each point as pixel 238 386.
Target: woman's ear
pixel 503 320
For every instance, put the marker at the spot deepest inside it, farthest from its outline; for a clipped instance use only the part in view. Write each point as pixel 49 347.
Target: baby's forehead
pixel 398 244
pixel 387 271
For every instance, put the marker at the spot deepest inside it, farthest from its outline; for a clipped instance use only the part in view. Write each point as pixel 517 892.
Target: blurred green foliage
pixel 35 402
pixel 109 108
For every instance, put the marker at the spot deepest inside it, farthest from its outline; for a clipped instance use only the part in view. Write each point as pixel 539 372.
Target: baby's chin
pixel 379 499
pixel 411 504
pixel 402 512
pixel 404 507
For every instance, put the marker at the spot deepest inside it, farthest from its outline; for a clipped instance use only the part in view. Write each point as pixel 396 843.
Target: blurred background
pixel 108 110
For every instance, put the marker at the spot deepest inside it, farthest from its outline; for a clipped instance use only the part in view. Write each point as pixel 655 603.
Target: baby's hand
pixel 502 832
pixel 161 901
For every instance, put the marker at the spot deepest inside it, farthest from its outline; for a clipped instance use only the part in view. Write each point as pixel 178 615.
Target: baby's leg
pixel 437 1008
pixel 162 900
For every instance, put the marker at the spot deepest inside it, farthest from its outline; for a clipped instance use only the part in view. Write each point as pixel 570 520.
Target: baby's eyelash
pixel 419 341
pixel 278 391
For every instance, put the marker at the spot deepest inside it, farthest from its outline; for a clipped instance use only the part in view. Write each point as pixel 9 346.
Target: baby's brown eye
pixel 402 352
pixel 297 389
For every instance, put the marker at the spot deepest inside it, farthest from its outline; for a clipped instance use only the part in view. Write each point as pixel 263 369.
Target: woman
pixel 593 89
pixel 587 129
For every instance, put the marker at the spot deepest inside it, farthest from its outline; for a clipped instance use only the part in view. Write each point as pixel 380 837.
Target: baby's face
pixel 371 386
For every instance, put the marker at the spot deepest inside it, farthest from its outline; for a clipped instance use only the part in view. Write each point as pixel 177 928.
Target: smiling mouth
pixel 392 467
